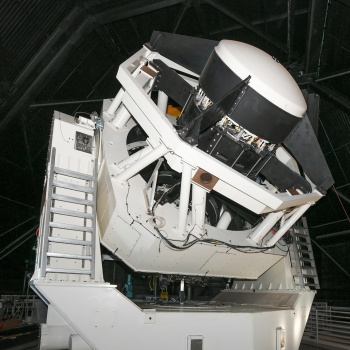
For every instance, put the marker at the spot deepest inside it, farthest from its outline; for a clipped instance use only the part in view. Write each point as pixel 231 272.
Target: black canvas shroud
pixel 303 144
pixel 254 112
pixel 189 52
pixel 171 83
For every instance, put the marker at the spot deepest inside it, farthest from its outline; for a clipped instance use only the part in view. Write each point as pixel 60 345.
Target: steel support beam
pixel 29 232
pixel 59 103
pixel 106 39
pixel 328 256
pixel 244 23
pixel 20 240
pixel 180 16
pixel 341 195
pixel 132 9
pixel 315 35
pixel 72 20
pixel 260 21
pixel 29 157
pixel 331 94
pixel 3 66
pixel 334 234
pixel 201 18
pixel 329 223
pixel 51 68
pixel 13 228
pixel 333 75
pixel 138 35
pixel 65 26
pixel 290 33
pixel 95 87
pixel 12 200
pixel 82 30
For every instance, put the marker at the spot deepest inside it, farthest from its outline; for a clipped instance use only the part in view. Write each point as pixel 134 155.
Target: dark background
pixel 54 51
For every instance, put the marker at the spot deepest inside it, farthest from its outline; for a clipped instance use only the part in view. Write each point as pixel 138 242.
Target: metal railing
pixel 328 325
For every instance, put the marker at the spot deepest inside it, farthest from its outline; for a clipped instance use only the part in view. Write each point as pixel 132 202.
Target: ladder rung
pixel 62 198
pixel 69 241
pixel 74 174
pixel 70 227
pixel 69 256
pixel 81 272
pixel 73 187
pixel 77 214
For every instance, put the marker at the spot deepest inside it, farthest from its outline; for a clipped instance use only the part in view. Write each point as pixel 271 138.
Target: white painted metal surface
pixel 199 197
pixel 104 317
pixel 94 314
pixel 186 177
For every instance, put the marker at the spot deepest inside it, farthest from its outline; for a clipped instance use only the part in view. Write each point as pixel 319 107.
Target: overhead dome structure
pixel 216 192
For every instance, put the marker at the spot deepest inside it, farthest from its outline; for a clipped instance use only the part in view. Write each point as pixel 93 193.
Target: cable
pixel 89 114
pixel 169 243
pixel 285 251
pixel 59 118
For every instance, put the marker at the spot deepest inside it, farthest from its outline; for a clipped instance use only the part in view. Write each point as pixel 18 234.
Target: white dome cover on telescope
pixel 268 77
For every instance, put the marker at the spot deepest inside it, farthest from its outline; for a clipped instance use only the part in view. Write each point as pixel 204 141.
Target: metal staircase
pixel 302 257
pixel 69 225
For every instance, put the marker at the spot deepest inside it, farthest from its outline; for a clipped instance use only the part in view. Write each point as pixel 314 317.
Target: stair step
pixel 304 250
pixel 69 241
pixel 80 272
pixel 74 174
pixel 70 227
pixel 312 284
pixel 303 235
pixel 75 200
pixel 309 276
pixel 73 187
pixel 69 256
pixel 77 214
pixel 306 259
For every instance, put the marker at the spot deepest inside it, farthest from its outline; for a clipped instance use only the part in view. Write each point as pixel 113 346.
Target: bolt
pixel 206 178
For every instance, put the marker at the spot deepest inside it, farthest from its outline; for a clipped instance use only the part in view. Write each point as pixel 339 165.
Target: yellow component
pixel 173 111
pixel 164 295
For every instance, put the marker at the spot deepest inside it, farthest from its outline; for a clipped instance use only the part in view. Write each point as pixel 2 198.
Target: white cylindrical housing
pixel 162 101
pixel 199 198
pixel 264 228
pixel 224 220
pixel 121 118
pixel 134 157
pixel 184 197
pixel 116 102
pixel 290 222
pixel 146 160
